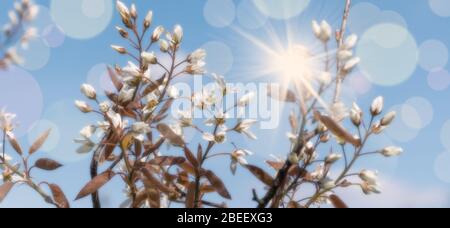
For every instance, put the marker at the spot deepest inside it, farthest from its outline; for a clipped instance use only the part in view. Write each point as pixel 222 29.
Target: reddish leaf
pixel 154 198
pixel 151 182
pixel 337 202
pixel 39 142
pixel 170 135
pixel 58 196
pixel 199 152
pixel 275 165
pixel 191 158
pixel 167 161
pixel 260 174
pixel 217 183
pixel 190 196
pixel 5 189
pixel 15 145
pixel 47 164
pixel 337 129
pixel 166 107
pixel 95 184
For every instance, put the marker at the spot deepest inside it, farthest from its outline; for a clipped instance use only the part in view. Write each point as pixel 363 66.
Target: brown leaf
pixel 166 107
pixel 39 142
pixel 58 196
pixel 199 152
pixel 217 183
pixel 282 94
pixel 337 129
pixel 5 189
pixel 186 166
pixel 337 202
pixel 275 165
pixel 293 205
pixel 151 182
pixel 15 145
pixel 154 198
pixel 141 196
pixel 190 196
pixel 170 135
pixel 47 164
pixel 191 158
pixel 260 174
pixel 167 161
pixel 114 79
pixel 152 148
pixel 153 86
pixel 95 184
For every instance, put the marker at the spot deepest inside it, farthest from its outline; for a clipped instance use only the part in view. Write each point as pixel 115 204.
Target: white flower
pixel 148 19
pixel 244 126
pixel 387 120
pixel 219 138
pixel 126 94
pixel 6 121
pixel 149 58
pixel 246 99
pixel 316 29
pixel 196 68
pixel 131 70
pixel 164 46
pixel 332 158
pixel 116 119
pixel 392 151
pixel 139 130
pixel 157 33
pixel 351 64
pixel 103 125
pixel 326 31
pixel 350 42
pixel 173 92
pixel 196 56
pixel 239 156
pixel 292 137
pixel 88 131
pixel 86 145
pixel 377 106
pixel 105 106
pixel 370 177
pixel 88 91
pixel 327 183
pixel 220 81
pixel 318 173
pixel 185 118
pixel 83 106
pixel 356 115
pixel 344 55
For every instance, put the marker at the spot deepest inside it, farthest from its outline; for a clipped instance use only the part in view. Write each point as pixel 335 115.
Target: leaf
pixel 39 142
pixel 95 184
pixel 153 147
pixel 293 205
pixel 166 107
pixel 151 182
pixel 191 158
pixel 260 174
pixel 282 94
pixel 337 202
pixel 58 196
pixel 337 129
pixel 199 152
pixel 218 184
pixel 167 161
pixel 47 164
pixel 15 145
pixel 154 198
pixel 5 189
pixel 190 196
pixel 114 79
pixel 275 165
pixel 170 135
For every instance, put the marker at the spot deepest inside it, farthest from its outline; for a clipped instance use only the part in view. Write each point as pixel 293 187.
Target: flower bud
pixel 157 33
pixel 293 158
pixel 332 158
pixel 350 42
pixel 149 58
pixel 122 32
pixel 377 106
pixel 316 29
pixel 133 11
pixel 88 91
pixel 177 34
pixel 392 151
pixel 387 120
pixel 164 46
pixel 325 31
pixel 105 107
pixel 148 19
pixel 83 106
pixel 351 64
pixel 119 49
pixel 368 176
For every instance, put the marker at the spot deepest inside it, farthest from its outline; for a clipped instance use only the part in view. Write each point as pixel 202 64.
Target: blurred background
pixel 404 52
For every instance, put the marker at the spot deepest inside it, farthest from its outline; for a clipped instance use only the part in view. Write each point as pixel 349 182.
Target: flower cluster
pixel 134 122
pixel 20 173
pixel 327 139
pixel 17 29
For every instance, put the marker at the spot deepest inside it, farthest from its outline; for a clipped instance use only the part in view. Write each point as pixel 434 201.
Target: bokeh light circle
pixel 388 53
pixel 220 57
pixel 445 135
pixel 359 83
pixel 439 79
pixel 249 17
pixel 38 128
pixel 99 78
pixel 21 94
pixel 284 9
pixel 433 55
pixel 399 130
pixel 440 7
pixel 417 112
pixel 372 15
pixel 441 167
pixel 219 13
pixel 82 19
pixel 35 56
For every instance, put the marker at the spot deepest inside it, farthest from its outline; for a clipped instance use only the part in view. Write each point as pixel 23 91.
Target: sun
pixel 295 64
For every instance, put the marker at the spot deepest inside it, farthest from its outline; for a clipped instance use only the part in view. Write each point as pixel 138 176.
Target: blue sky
pixel 421 99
